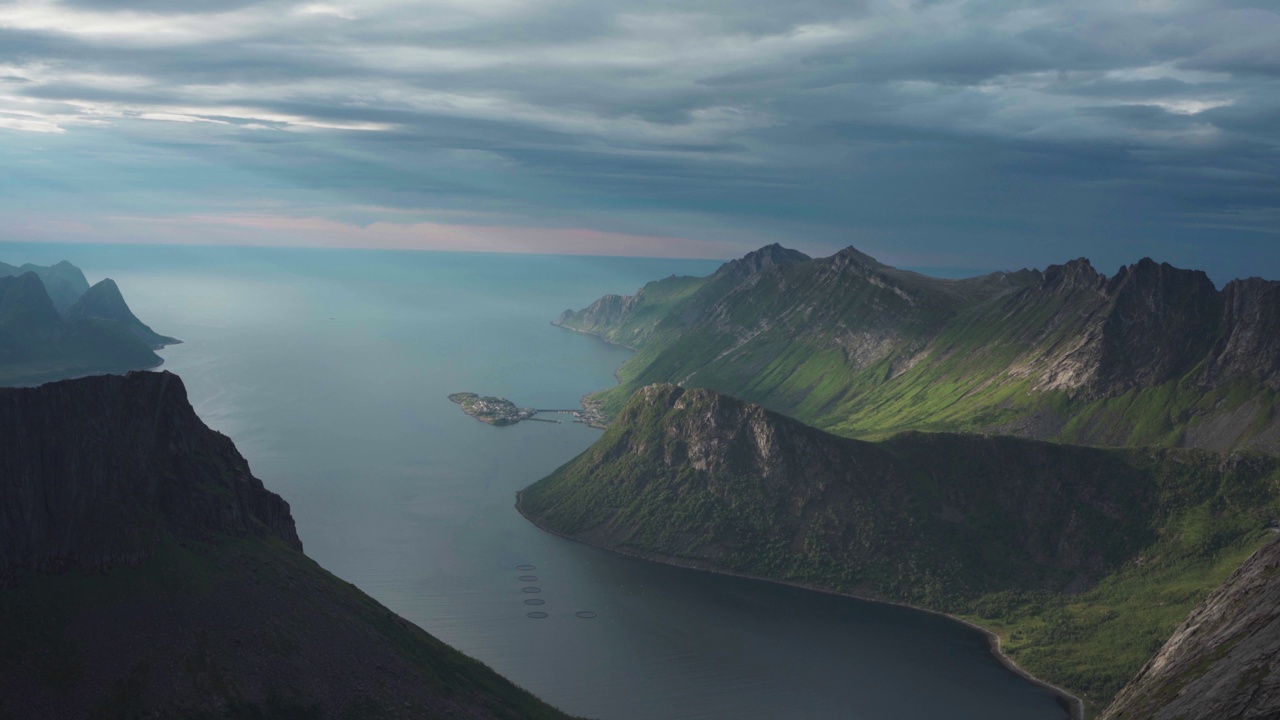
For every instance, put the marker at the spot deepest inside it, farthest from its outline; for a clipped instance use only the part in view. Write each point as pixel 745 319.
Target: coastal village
pixel 501 411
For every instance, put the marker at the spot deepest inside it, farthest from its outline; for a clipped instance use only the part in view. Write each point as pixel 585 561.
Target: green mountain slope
pixel 144 572
pixel 1081 559
pixel 1153 355
pixel 99 334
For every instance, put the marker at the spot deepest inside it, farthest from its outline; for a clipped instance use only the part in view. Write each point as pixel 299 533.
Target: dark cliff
pixel 98 470
pixel 1082 558
pixel 148 574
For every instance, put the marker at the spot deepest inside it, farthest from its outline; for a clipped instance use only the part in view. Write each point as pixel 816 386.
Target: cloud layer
pixel 932 132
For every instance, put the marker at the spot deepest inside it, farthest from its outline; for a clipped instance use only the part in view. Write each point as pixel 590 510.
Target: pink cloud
pixel 249 229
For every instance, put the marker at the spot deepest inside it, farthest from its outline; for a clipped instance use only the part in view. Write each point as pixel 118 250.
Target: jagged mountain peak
pixel 850 254
pixel 767 257
pixel 1071 275
pixel 1147 273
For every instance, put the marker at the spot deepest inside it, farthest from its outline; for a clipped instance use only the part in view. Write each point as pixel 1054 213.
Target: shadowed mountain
pixel 98 334
pixel 1082 559
pixel 144 572
pixel 1154 355
pixel 64 282
pixel 103 301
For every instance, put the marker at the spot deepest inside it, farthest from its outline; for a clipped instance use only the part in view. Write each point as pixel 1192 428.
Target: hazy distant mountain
pixel 96 334
pixel 144 572
pixel 103 301
pixel 64 282
pixel 1151 355
pixel 1082 559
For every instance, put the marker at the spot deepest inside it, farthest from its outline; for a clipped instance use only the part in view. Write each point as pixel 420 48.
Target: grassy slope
pixel 975 346
pixel 1174 525
pixel 225 617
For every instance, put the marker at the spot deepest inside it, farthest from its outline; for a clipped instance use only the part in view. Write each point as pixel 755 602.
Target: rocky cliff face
pixel 144 573
pixel 97 470
pixel 852 345
pixel 1220 662
pixel 601 315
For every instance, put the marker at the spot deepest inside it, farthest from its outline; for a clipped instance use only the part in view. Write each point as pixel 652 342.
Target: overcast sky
pixel 930 133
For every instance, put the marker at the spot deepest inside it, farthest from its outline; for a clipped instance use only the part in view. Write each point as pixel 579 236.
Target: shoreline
pixel 1072 704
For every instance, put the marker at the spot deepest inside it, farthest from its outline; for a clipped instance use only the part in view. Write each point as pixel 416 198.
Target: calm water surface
pixel 330 369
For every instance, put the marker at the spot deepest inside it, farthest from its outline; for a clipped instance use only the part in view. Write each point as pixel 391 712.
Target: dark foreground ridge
pixel 1082 560
pixel 147 573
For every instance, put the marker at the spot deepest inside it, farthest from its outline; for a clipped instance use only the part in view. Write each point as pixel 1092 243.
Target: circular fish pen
pixel 537 614
pixel 585 614
pixel 528 578
pixel 535 601
pixel 531 589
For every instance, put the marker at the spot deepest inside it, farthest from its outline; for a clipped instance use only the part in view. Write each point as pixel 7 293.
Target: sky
pixel 949 134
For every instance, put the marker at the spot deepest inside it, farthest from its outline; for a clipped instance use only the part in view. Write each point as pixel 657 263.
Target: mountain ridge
pixel 94 332
pixel 1152 355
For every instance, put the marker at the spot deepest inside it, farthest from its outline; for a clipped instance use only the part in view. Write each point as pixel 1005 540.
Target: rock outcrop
pixel 1223 661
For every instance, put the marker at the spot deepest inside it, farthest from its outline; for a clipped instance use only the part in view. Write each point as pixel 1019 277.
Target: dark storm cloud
pixel 1021 131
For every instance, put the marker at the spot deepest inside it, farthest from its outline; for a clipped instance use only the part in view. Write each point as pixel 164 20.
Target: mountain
pixel 1082 560
pixel 64 282
pixel 99 333
pixel 1153 355
pixel 144 572
pixel 1219 663
pixel 103 301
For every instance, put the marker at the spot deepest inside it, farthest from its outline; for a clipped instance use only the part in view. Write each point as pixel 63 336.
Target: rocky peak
pixel 1150 279
pixel 766 258
pixel 1077 274
pixel 601 314
pixel 24 303
pixel 1159 322
pixel 1250 338
pixel 97 469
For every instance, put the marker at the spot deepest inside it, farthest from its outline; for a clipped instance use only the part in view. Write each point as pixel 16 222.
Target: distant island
pixel 501 411
pixel 492 410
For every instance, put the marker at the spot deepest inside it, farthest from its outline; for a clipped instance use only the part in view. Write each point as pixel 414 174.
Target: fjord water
pixel 330 370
